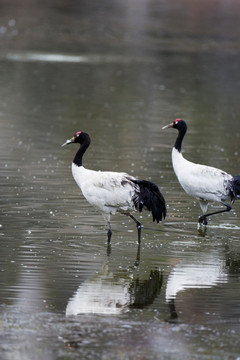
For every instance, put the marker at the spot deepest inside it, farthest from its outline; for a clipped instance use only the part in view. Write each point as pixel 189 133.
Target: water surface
pixel 119 71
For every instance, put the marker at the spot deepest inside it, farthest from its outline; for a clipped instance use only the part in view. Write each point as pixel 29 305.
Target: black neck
pixel 79 155
pixel 178 142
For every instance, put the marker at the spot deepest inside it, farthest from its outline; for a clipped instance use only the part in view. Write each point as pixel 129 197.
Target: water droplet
pixel 12 22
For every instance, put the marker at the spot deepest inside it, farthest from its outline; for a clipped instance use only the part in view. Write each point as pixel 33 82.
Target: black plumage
pixel 151 199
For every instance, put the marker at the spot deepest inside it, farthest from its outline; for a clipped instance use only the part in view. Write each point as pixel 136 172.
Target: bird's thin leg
pixel 109 249
pixel 202 219
pixel 139 226
pixel 109 233
pixel 137 261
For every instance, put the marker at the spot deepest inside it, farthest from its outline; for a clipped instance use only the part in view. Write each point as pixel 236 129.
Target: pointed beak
pixel 68 141
pixel 168 126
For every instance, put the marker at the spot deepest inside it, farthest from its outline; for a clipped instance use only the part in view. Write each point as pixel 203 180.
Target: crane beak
pixel 168 126
pixel 67 142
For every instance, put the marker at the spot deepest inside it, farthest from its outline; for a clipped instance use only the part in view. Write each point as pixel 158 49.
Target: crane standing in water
pixel 113 192
pixel 205 183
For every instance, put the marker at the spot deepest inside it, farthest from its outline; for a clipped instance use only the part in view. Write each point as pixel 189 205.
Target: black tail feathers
pixel 235 187
pixel 150 198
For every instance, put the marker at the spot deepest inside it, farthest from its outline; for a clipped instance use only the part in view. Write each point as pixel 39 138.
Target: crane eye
pixel 176 121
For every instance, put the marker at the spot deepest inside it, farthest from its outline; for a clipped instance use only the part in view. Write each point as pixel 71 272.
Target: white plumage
pixel 191 176
pixel 205 183
pixel 104 189
pixel 113 192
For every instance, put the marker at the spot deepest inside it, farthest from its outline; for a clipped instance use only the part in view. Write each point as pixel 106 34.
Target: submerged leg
pixel 137 261
pixel 107 218
pixel 203 218
pixel 139 227
pixel 109 233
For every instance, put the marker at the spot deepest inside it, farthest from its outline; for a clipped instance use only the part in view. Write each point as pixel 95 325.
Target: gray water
pixel 120 71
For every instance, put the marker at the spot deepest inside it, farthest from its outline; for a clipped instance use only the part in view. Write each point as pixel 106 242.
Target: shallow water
pixel 64 292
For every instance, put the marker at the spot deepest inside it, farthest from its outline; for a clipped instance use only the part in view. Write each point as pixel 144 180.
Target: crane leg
pixel 139 227
pixel 109 233
pixel 203 218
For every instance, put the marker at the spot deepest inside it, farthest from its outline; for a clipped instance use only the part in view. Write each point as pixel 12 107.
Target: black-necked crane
pixel 205 183
pixel 113 192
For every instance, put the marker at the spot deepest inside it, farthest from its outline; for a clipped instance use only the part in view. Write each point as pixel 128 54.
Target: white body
pixel 108 191
pixel 205 183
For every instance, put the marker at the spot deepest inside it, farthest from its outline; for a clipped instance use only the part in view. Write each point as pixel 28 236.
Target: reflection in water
pixel 185 276
pixel 102 294
pixel 31 56
pixel 200 271
pixel 120 79
pixel 114 293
